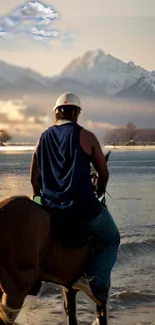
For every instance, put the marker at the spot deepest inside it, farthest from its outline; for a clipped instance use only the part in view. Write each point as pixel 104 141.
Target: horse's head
pixel 107 155
pixel 94 176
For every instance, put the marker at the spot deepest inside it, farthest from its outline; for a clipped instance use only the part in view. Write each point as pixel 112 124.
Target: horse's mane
pixel 12 199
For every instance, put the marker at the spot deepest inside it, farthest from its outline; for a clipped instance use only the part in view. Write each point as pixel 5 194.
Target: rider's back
pixel 64 157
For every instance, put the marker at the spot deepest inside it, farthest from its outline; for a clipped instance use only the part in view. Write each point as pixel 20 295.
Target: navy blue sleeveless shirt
pixel 65 171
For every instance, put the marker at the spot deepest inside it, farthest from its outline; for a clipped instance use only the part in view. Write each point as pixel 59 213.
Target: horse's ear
pixel 107 155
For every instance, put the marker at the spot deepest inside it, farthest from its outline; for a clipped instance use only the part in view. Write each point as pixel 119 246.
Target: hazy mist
pixel 28 116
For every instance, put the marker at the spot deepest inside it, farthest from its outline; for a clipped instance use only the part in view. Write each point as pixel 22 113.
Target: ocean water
pixel 131 200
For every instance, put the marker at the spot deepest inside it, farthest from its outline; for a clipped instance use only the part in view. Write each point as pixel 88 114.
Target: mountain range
pixel 95 74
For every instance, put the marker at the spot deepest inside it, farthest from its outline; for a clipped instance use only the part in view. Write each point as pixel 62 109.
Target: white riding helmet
pixel 67 99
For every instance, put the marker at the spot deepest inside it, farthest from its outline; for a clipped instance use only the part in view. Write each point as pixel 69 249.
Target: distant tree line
pixel 4 137
pixel 130 135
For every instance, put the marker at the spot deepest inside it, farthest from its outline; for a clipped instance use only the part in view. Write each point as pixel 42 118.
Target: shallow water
pixel 132 203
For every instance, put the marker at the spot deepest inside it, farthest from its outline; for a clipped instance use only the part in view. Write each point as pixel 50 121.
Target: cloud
pixel 39 34
pixel 100 125
pixel 3 35
pixel 34 20
pixel 29 116
pixel 36 11
pixel 12 110
pixel 16 116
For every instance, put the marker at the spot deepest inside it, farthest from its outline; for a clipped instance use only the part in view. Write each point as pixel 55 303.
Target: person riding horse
pixel 61 175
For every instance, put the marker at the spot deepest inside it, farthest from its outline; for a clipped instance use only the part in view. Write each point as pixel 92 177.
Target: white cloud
pixel 48 34
pixel 3 35
pixel 34 10
pixel 32 19
pixel 45 22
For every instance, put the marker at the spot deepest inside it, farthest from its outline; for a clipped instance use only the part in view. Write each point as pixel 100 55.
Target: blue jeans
pixel 106 230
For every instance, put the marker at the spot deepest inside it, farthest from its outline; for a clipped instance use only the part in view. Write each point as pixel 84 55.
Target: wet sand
pixel 48 309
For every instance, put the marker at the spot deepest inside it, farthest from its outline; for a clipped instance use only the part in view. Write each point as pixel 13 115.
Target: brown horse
pixel 31 253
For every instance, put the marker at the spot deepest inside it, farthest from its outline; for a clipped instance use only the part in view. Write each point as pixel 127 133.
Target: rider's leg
pixel 106 230
pixel 104 227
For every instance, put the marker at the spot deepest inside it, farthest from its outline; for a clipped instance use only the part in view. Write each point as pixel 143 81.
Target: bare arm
pixel 35 173
pixel 100 165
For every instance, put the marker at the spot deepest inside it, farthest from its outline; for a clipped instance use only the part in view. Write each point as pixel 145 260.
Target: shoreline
pixel 18 148
pixel 130 148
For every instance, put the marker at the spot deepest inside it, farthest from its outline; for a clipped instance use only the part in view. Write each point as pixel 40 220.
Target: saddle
pixel 67 227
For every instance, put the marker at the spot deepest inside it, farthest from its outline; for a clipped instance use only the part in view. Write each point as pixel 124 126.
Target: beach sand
pixel 51 311
pixel 130 148
pixel 8 148
pixel 48 309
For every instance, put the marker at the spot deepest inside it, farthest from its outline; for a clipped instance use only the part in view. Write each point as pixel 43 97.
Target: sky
pixel 46 36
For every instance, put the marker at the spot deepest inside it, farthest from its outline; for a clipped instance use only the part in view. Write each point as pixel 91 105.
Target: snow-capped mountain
pixel 104 72
pixel 143 88
pixel 93 74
